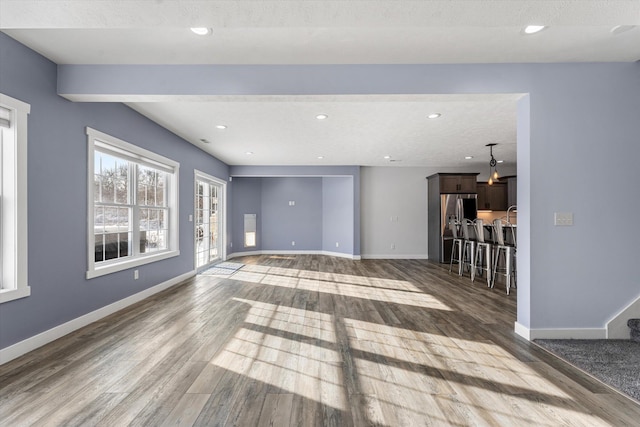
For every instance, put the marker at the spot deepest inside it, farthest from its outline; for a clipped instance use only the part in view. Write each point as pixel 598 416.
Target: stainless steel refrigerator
pixel 451 206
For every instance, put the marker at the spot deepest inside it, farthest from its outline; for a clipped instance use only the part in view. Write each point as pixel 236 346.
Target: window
pixel 133 205
pixel 13 199
pixel 249 230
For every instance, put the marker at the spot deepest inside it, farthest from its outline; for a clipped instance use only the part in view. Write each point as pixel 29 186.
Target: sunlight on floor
pixel 438 353
pixel 294 280
pixel 404 377
pixel 408 375
pixel 306 364
pixel 302 323
pixel 375 282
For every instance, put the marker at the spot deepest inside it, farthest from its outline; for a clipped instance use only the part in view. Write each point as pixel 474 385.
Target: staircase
pixel 634 325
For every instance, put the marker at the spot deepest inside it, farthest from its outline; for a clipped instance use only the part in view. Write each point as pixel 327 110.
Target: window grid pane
pixel 111 176
pixel 154 229
pixel 112 232
pixel 151 187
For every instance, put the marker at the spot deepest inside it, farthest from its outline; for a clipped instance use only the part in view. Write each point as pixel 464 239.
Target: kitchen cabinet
pixel 512 189
pixel 492 197
pixel 455 183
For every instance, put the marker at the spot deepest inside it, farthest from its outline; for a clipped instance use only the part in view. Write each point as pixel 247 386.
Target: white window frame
pixel 13 202
pixel 138 155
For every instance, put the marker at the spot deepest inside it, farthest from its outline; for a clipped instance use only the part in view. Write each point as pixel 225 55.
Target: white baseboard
pixel 18 349
pixel 335 254
pixel 341 255
pixel 560 333
pixel 395 256
pixel 522 330
pixel 617 326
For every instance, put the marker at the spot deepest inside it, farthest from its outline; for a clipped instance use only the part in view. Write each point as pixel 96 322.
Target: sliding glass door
pixel 209 219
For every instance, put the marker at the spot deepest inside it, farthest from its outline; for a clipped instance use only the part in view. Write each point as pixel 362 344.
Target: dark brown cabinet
pixel 512 189
pixel 456 183
pixel 492 197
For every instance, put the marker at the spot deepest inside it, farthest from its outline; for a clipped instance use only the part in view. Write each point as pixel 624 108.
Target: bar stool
pixel 457 243
pixel 468 246
pixel 511 232
pixel 504 250
pixel 484 250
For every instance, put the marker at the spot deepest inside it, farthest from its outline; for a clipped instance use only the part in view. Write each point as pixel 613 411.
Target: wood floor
pixel 308 341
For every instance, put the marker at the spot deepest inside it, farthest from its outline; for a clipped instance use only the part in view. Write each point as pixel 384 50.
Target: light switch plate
pixel 563 218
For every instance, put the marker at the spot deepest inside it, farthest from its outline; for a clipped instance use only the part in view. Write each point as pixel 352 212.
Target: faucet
pixel 513 208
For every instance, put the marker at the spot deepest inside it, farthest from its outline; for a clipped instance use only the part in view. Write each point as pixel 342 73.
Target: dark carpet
pixel 614 362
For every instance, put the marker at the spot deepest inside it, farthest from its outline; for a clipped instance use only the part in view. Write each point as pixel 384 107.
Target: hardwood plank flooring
pixel 308 341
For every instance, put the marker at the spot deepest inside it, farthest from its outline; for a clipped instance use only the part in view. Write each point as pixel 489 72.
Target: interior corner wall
pixel 57 198
pixel 246 199
pixel 337 215
pixel 327 207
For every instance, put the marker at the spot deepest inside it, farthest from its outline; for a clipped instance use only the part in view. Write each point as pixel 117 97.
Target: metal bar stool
pixel 484 250
pixel 468 246
pixel 504 251
pixel 457 244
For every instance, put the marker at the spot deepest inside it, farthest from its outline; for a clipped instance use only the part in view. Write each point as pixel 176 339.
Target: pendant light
pixel 493 170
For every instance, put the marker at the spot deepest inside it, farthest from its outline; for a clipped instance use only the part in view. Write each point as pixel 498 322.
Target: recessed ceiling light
pixel 322 117
pixel 248 153
pixel 500 161
pixel 532 29
pixel 434 115
pixel 468 157
pixel 320 157
pixel 201 31
pixel 387 157
pixel 221 127
pixel 619 29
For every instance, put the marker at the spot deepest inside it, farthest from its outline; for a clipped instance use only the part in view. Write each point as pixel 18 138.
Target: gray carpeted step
pixel 634 325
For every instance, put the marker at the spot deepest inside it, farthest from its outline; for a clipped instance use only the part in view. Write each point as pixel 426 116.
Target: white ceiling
pixel 360 129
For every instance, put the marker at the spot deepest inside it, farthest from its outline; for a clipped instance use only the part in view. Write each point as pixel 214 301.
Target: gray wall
pixel 337 214
pixel 57 183
pixel 283 224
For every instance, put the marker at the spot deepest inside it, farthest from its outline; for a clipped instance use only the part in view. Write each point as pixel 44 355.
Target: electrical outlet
pixel 293 243
pixel 563 218
pixel 337 244
pixel 136 275
pixel 190 218
pixel 393 246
